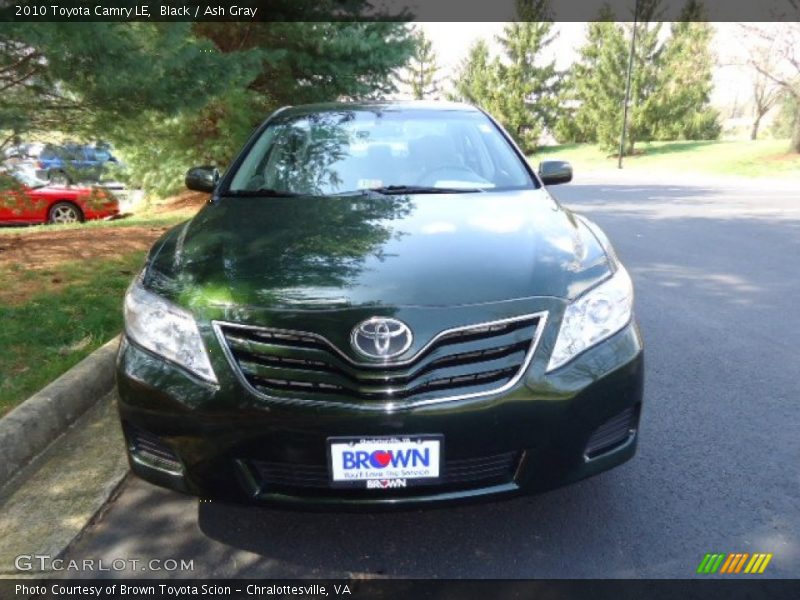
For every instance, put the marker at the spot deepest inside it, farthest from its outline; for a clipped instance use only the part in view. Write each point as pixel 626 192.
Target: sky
pixel 731 82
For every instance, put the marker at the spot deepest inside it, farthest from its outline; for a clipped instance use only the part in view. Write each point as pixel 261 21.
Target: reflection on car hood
pixel 440 250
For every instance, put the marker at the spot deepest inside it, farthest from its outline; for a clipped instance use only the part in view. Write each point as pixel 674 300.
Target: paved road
pixel 717 271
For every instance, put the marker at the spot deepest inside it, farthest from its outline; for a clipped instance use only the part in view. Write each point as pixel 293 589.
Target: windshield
pixel 27 176
pixel 350 150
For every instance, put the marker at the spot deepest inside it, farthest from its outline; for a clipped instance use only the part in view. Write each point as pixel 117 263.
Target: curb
pixel 77 476
pixel 33 425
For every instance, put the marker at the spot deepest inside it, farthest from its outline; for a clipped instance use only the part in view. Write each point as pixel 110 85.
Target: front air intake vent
pixel 463 473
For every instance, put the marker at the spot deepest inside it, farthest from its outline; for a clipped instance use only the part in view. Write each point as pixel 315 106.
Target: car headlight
pixel 593 317
pixel 167 330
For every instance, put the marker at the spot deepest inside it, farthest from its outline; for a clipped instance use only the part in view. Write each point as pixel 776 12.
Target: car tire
pixel 64 212
pixel 58 178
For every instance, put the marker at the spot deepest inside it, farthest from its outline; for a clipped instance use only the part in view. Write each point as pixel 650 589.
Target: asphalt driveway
pixel 717 274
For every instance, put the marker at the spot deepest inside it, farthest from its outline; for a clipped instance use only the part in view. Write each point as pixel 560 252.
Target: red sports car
pixel 26 199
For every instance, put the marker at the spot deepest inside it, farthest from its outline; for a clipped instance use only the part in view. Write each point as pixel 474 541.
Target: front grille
pixel 470 360
pixel 456 473
pixel 150 449
pixel 612 433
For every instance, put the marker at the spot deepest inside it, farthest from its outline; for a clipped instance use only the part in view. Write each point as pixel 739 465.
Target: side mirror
pixel 553 172
pixel 202 179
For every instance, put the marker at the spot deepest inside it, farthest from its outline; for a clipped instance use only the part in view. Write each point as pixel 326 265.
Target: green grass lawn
pixel 49 332
pixel 61 289
pixel 761 158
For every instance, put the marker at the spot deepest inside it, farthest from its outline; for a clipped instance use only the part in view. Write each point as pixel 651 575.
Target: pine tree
pixel 172 95
pixel 420 73
pixel 472 82
pixel 602 89
pixel 645 82
pixel 526 96
pixel 610 81
pixel 681 105
pixel 590 92
pixel 81 75
pixel 529 98
pixel 317 61
pixel 516 88
pixel 670 86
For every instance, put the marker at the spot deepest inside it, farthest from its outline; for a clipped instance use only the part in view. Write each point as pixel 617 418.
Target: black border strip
pixel 361 10
pixel 732 588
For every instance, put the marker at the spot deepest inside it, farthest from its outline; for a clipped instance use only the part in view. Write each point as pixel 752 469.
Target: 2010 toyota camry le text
pixel 380 304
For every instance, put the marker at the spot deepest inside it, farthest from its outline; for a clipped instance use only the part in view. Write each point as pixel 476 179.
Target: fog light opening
pixel 612 434
pixel 151 451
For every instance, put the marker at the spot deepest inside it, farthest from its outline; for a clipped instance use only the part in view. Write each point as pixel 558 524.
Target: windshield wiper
pixel 422 189
pixel 385 190
pixel 261 193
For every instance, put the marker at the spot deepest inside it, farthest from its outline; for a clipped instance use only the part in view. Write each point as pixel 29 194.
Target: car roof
pixel 382 105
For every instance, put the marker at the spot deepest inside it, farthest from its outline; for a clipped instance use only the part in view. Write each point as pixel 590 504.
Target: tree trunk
pixel 754 131
pixel 796 132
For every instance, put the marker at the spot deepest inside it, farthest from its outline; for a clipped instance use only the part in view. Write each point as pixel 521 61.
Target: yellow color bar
pixel 765 563
pixel 752 562
pixel 757 564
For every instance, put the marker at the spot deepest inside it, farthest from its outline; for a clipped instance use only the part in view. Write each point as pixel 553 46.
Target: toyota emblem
pixel 381 337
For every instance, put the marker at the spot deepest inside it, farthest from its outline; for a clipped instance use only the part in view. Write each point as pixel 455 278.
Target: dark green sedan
pixel 379 305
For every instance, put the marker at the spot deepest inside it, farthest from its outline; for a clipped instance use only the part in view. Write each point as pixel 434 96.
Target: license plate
pixel 384 462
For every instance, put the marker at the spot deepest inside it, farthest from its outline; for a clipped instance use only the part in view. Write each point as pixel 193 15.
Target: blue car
pixel 73 162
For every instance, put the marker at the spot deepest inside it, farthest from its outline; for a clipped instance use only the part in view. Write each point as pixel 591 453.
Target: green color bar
pixel 713 567
pixel 703 563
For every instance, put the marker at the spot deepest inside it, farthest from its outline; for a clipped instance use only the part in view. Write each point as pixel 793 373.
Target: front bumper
pixel 207 441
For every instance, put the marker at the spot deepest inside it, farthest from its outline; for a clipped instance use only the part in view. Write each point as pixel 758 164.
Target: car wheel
pixel 65 212
pixel 58 177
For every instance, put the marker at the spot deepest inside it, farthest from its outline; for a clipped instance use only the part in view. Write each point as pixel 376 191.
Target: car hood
pixel 368 250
